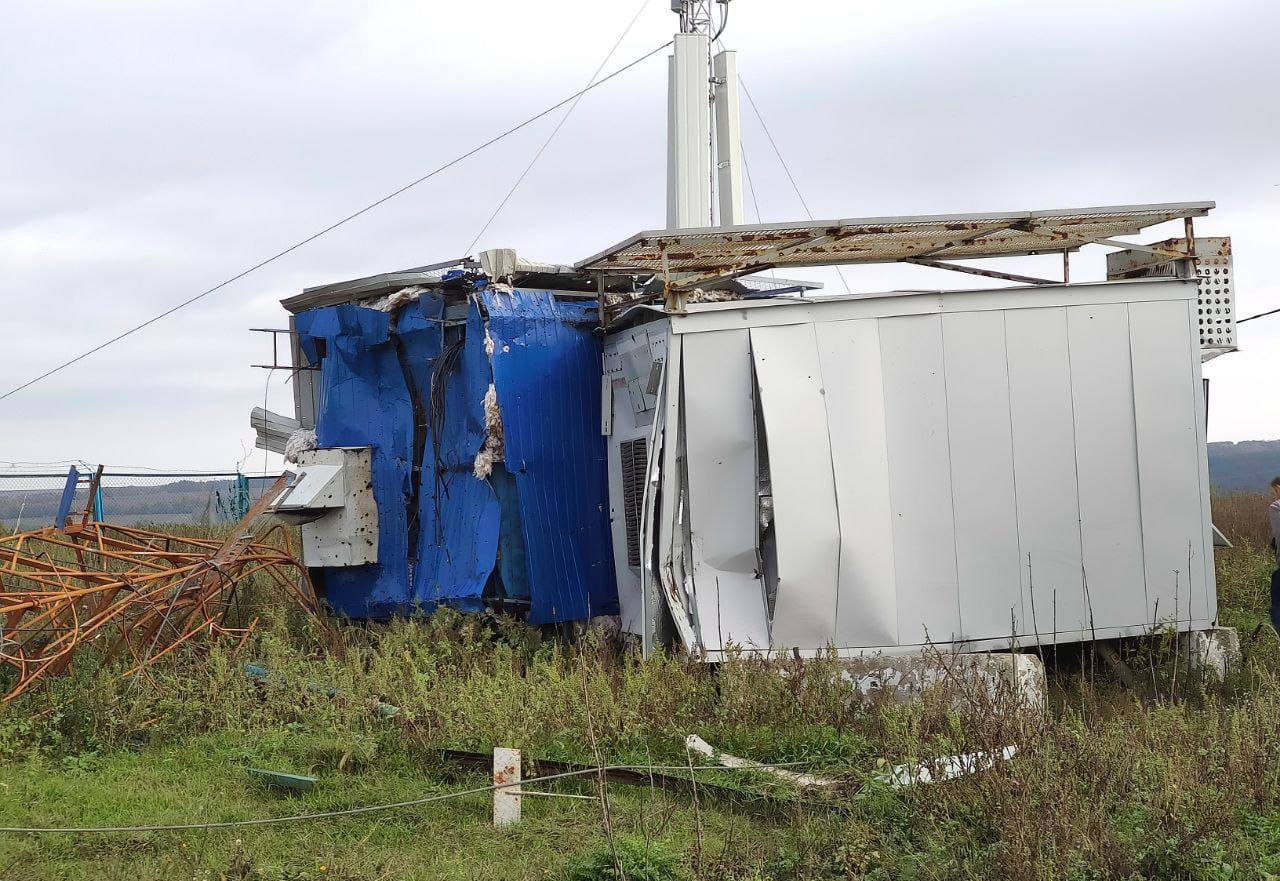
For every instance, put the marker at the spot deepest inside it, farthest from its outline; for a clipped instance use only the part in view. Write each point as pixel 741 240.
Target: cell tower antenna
pixel 698 165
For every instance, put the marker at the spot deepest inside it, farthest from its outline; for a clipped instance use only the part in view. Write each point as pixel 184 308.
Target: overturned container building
pixel 663 434
pixel 728 461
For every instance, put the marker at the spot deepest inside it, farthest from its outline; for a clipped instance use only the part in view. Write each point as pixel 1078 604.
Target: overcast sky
pixel 151 150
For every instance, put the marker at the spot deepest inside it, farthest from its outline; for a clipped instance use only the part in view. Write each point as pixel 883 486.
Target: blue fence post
pixel 97 505
pixel 68 497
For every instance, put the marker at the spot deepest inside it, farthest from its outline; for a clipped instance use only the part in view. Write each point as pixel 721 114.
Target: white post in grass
pixel 506 802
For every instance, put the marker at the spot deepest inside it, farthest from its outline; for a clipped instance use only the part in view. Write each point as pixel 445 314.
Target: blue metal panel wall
pixel 364 402
pixel 547 368
pixel 458 513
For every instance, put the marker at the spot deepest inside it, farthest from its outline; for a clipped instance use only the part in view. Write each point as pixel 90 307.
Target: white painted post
pixel 506 802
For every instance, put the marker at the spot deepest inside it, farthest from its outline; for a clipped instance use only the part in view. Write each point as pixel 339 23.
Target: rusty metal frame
pixel 974 270
pixel 706 257
pixel 132 592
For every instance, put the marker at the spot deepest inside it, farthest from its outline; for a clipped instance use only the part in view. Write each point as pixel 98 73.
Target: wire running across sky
pixel 331 227
pixel 555 131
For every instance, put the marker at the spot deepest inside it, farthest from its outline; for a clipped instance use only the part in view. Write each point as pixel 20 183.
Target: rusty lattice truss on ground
pixel 131 592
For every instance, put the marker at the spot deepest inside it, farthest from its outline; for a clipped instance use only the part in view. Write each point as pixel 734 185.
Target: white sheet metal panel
pixel 804 502
pixel 1209 610
pixel 1107 464
pixel 1044 469
pixel 986 510
pixel 924 539
pixel 720 445
pixel 866 612
pixel 1164 402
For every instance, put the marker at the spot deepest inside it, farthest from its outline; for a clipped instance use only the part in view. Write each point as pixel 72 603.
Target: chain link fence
pixel 30 500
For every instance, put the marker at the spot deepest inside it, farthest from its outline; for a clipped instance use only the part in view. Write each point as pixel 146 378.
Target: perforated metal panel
pixel 635 456
pixel 1215 309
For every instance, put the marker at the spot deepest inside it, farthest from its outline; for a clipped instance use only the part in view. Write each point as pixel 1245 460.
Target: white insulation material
pixel 969 469
pixel 302 440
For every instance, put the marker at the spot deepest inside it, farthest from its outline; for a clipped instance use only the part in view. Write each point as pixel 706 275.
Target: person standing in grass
pixel 1274 513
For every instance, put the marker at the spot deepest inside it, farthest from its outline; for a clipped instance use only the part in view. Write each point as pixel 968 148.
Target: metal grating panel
pixel 635 457
pixel 728 251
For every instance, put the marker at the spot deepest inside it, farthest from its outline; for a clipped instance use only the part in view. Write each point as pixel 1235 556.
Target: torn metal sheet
pixel 546 369
pixel 458 512
pixel 720 443
pixel 669 487
pixel 806 518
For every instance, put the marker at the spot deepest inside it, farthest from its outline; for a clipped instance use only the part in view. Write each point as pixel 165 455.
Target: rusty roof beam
pixel 973 270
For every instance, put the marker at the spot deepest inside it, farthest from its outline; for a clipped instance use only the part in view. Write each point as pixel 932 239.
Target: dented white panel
pixel 1044 469
pixel 986 511
pixel 1106 453
pixel 921 448
pixel 805 515
pixel 721 448
pixel 866 611
pixel 924 534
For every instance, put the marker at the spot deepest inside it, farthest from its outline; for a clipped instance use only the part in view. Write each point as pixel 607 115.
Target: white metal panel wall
pixel 1044 468
pixel 721 449
pixel 1164 400
pixel 981 443
pixel 924 537
pixel 1106 464
pixel 1209 610
pixel 866 612
pixel 805 515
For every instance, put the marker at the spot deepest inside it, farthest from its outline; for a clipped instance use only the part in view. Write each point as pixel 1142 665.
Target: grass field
pixel 1176 779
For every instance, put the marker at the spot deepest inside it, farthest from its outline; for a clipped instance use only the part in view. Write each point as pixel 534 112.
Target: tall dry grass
pixel 1242 517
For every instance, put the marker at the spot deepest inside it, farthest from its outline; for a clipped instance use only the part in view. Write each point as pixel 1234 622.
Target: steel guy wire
pixel 1259 315
pixel 368 809
pixel 786 168
pixel 555 131
pixel 331 227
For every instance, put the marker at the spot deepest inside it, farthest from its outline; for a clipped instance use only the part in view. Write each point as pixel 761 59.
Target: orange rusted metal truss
pixel 132 592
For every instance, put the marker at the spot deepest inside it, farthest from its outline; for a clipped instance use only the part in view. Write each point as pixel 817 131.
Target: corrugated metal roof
pixel 724 252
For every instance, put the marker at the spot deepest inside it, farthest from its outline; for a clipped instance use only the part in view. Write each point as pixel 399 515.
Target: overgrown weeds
pixel 1172 782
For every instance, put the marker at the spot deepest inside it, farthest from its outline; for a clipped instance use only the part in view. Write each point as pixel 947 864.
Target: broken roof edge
pixel 373 285
pixel 599 261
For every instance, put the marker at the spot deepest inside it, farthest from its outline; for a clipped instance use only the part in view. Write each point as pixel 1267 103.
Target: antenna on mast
pixel 696 83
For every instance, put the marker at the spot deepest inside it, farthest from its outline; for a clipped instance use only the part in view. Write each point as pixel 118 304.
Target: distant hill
pixel 1247 465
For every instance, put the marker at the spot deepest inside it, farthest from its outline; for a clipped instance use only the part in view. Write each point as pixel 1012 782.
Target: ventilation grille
pixel 635 457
